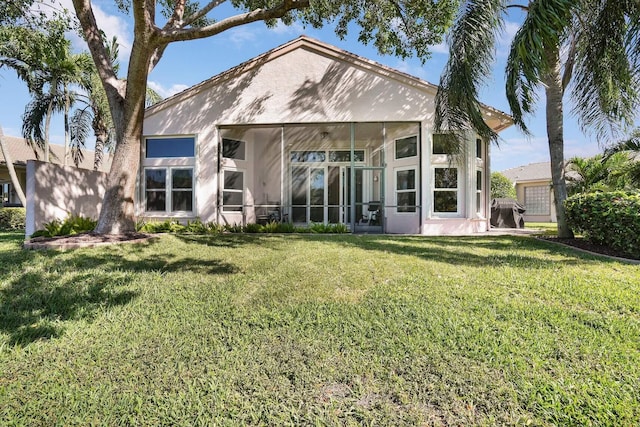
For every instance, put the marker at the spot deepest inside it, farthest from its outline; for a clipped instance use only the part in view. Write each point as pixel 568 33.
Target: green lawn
pixel 318 330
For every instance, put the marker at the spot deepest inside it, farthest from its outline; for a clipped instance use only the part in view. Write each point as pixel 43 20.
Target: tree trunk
pixel 66 125
pixel 117 215
pixel 47 126
pixel 555 133
pixel 12 171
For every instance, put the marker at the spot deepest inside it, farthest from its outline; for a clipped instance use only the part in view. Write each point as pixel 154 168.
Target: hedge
pixel 608 219
pixel 12 219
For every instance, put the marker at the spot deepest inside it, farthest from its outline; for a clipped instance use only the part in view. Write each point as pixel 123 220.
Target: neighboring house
pixel 20 153
pixel 310 133
pixel 534 191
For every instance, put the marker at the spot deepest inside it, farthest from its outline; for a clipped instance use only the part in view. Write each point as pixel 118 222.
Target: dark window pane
pixel 345 156
pixel 233 180
pixel 182 200
pixel 445 201
pixel 317 214
pixel 299 214
pixel 299 185
pixel 182 178
pixel 446 178
pixel 233 149
pixel 406 180
pixel 156 200
pixel 308 156
pixel 406 147
pixel 479 148
pixel 406 201
pixel 443 144
pixel 170 147
pixel 478 180
pixel 232 201
pixel 478 202
pixel 155 178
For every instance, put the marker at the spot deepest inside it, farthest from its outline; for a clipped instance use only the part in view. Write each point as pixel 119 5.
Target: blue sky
pixel 187 63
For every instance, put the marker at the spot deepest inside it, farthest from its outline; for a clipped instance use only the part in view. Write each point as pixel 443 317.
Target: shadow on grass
pixel 35 305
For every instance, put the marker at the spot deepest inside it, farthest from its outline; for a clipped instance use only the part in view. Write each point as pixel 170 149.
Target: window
pixel 233 191
pixel 176 192
pixel 182 190
pixel 537 200
pixel 233 149
pixel 308 156
pixel 407 147
pixel 478 148
pixel 445 194
pixel 406 190
pixel 170 147
pixel 479 209
pixel 443 144
pixel 345 156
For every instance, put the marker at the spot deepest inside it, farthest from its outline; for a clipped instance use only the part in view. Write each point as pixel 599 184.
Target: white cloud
pixel 241 35
pixel 112 25
pixel 440 48
pixel 166 92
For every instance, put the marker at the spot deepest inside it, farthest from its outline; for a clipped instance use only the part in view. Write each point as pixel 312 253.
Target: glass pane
pixel 445 201
pixel 479 148
pixel 233 180
pixel 537 200
pixel 443 144
pixel 299 214
pixel 317 215
pixel 182 178
pixel 233 198
pixel 345 156
pixel 182 200
pixel 478 203
pixel 406 147
pixel 407 201
pixel 170 147
pixel 299 186
pixel 406 180
pixel 478 180
pixel 446 178
pixel 156 200
pixel 316 196
pixel 233 149
pixel 155 178
pixel 308 156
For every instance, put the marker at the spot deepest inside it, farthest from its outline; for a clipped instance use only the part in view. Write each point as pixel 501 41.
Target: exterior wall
pixel 307 86
pixel 520 194
pixel 55 191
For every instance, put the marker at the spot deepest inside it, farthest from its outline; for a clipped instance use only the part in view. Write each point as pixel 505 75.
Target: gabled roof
pixel 20 152
pixel 321 48
pixel 531 172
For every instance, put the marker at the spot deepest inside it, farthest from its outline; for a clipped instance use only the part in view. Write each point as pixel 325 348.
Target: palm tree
pixel 631 147
pixel 587 47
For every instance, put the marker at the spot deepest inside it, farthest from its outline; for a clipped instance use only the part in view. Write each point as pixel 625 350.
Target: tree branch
pixel 174 35
pixel 99 53
pixel 202 12
pixel 570 62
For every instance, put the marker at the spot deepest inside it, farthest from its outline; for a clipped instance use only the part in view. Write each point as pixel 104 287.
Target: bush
pixel 12 219
pixel 72 224
pixel 501 187
pixel 608 219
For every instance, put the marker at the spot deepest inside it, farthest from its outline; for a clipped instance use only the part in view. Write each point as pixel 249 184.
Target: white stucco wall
pixel 55 191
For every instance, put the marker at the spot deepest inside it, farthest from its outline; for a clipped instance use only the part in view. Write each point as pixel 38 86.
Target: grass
pixel 318 330
pixel 546 228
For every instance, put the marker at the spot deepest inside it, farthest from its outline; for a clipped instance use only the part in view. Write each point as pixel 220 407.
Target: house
pixel 20 152
pixel 309 133
pixel 534 191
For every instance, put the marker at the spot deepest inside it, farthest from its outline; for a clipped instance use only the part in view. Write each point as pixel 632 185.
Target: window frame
pixel 414 190
pixel 242 191
pixel 168 164
pixel 456 190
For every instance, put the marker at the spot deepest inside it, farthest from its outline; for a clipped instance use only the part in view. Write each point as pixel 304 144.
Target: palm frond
pixel 606 94
pixel 546 24
pixel 629 144
pixel 471 54
pixel 80 128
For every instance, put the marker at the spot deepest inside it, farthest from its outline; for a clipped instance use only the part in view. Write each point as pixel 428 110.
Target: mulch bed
pixel 586 245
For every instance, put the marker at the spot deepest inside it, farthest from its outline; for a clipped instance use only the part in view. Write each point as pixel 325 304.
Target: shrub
pixel 72 224
pixel 609 219
pixel 501 187
pixel 12 219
